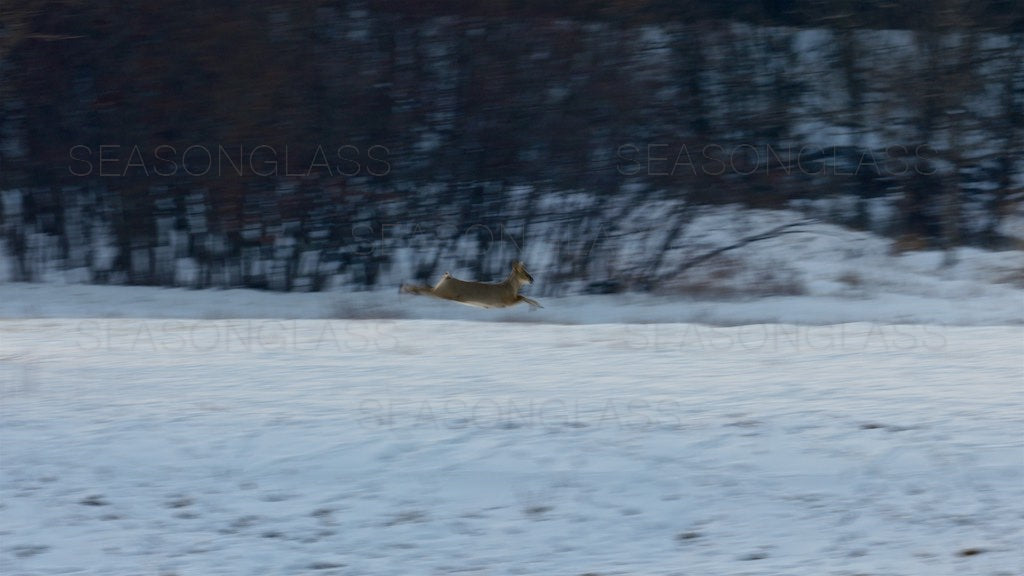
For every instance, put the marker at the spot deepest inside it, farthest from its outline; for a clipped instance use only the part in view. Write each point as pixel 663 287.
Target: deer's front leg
pixel 533 303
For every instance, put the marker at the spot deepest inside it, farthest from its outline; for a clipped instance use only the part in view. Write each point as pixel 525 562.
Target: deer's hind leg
pixel 417 289
pixel 438 290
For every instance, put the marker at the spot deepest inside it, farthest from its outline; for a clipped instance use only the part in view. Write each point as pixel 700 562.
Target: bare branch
pixel 782 230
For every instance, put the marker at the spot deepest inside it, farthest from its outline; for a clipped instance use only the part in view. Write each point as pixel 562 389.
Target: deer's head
pixel 519 269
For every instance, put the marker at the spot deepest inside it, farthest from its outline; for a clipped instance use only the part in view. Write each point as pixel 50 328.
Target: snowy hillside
pixel 412 145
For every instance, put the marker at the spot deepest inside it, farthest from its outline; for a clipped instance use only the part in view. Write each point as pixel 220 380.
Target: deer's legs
pixel 533 303
pixel 418 289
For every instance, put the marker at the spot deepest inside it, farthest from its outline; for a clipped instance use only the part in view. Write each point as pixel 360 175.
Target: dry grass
pixel 851 279
pixel 728 278
pixel 908 243
pixel 1013 277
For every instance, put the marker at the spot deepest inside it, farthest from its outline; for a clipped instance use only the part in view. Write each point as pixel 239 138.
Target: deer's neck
pixel 512 283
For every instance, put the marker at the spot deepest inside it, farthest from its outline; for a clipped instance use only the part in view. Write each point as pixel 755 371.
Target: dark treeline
pixel 261 145
pixel 1004 15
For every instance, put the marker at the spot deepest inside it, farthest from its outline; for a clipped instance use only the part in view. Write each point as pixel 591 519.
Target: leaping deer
pixel 480 294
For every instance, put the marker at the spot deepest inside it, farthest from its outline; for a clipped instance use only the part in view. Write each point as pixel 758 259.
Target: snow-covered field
pixel 873 428
pixel 435 447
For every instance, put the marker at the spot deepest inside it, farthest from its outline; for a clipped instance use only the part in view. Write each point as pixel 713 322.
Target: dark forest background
pixel 313 144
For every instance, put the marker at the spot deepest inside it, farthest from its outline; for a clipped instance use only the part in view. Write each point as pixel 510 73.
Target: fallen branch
pixel 773 233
